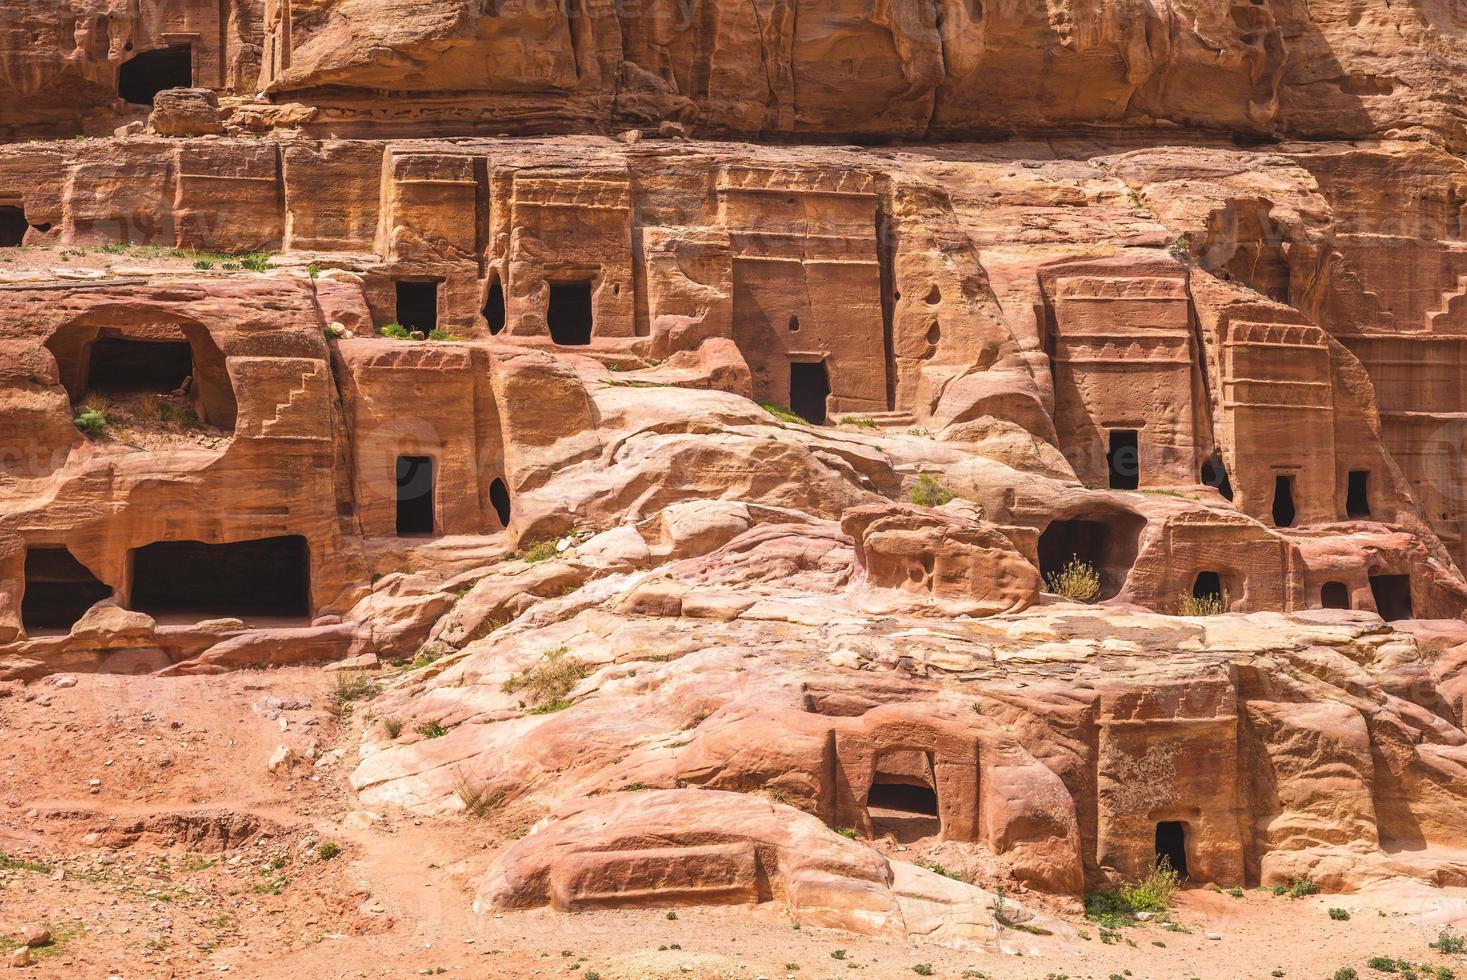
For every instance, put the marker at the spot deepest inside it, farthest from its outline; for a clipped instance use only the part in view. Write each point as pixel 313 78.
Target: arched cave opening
pixel 140 79
pixel 571 315
pixel 13 227
pixel 1392 596
pixel 1105 542
pixel 809 390
pixel 189 581
pixel 499 500
pixel 494 310
pixel 58 591
pixel 1171 846
pixel 415 511
pixel 1208 586
pixel 1284 512
pixel 1334 595
pixel 1215 475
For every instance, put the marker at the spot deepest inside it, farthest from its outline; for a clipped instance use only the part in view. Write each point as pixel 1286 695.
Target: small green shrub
pixel 1235 891
pixel 1077 581
pixel 203 265
pixel 1384 964
pixel 548 682
pixel 91 420
pixel 351 685
pixel 1119 906
pixel 477 801
pixel 783 414
pixel 1346 973
pixel 1340 915
pixel 257 262
pixel 672 916
pixel 847 832
pixel 1302 887
pixel 930 493
pixel 1208 605
pixel 431 729
pixel 436 334
pixel 328 850
pixel 1449 941
pixel 837 954
pixel 858 422
pixel 313 270
pixel 395 331
pixel 922 969
pixel 539 551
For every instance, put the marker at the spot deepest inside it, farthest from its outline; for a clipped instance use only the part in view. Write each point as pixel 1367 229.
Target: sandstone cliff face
pixel 716 469
pixel 909 69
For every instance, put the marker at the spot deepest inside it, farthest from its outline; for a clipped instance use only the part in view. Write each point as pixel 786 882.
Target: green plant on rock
pixel 395 331
pixel 546 684
pixel 91 420
pixel 783 414
pixel 1119 906
pixel 930 493
pixel 1204 605
pixel 1449 942
pixel 1077 580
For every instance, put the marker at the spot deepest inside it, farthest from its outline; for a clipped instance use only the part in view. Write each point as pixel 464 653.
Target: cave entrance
pixel 902 800
pixel 1215 475
pixel 120 365
pixel 499 500
pixel 571 314
pixel 1063 542
pixel 1357 494
pixel 809 390
pixel 1171 846
pixel 58 591
pixel 1124 459
pixel 141 79
pixel 1208 585
pixel 1334 595
pixel 1392 596
pixel 189 581
pixel 494 310
pixel 13 227
pixel 417 305
pixel 415 479
pixel 1284 511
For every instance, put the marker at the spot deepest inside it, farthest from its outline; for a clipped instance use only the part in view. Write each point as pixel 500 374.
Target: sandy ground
pixel 191 858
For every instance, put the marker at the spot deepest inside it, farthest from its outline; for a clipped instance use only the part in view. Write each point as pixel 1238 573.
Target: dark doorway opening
pixel 905 811
pixel 1357 494
pixel 1334 595
pixel 1171 845
pixel 1208 585
pixel 1064 542
pixel 570 315
pixel 191 580
pixel 494 311
pixel 1215 475
pixel 1124 460
pixel 58 591
pixel 499 499
pixel 809 389
pixel 1392 596
pixel 120 365
pixel 1283 501
pixel 140 80
pixel 415 496
pixel 13 227
pixel 904 797
pixel 417 305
